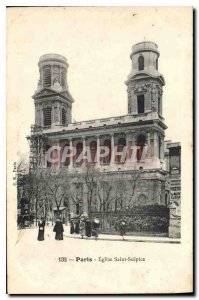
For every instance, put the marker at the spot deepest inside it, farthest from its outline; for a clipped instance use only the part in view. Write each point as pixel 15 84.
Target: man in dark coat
pixel 58 229
pixel 77 226
pixel 88 228
pixel 72 228
pixel 122 228
pixel 41 226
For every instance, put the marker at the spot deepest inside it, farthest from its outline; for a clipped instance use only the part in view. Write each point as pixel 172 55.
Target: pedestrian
pixel 95 228
pixel 41 226
pixel 58 229
pixel 72 228
pixel 77 226
pixel 122 228
pixel 88 227
pixel 82 228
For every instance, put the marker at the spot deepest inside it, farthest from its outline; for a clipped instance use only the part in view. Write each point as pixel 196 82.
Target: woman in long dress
pixel 88 227
pixel 95 228
pixel 122 228
pixel 77 227
pixel 72 228
pixel 58 229
pixel 82 228
pixel 41 226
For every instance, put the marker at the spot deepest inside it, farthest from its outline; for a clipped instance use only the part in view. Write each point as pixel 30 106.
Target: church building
pixel 134 177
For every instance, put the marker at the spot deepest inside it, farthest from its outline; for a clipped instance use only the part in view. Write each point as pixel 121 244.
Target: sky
pixel 97 43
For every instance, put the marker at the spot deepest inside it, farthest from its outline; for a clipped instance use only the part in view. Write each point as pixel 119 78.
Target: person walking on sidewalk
pixel 77 226
pixel 58 229
pixel 122 228
pixel 82 228
pixel 72 228
pixel 41 226
pixel 88 227
pixel 95 228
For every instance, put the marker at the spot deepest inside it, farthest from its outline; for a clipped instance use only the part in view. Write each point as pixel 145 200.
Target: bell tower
pixel 53 102
pixel 145 82
pixel 145 88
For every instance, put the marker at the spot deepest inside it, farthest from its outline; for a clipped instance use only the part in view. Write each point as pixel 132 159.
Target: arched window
pixel 47 76
pixel 141 140
pixel 120 147
pixel 63 77
pixel 93 149
pixel 141 63
pixel 47 116
pixel 140 104
pixel 156 63
pixel 106 159
pixel 79 149
pixel 65 151
pixel 63 114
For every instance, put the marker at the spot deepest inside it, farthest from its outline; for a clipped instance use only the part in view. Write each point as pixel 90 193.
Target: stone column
pixel 98 150
pixel 51 70
pixel 60 75
pixel 128 145
pixel 58 153
pixel 162 148
pixel 135 108
pixel 42 77
pixel 84 148
pixel 149 146
pixel 133 149
pixel 155 145
pixel 112 149
pixel 71 157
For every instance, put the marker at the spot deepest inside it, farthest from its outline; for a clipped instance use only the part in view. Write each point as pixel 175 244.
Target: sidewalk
pixel 115 237
pixel 109 237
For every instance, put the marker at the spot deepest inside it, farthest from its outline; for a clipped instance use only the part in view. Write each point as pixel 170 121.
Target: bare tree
pixel 120 193
pixel 76 189
pixel 133 182
pixel 90 178
pixel 105 192
pixel 37 190
pixel 57 186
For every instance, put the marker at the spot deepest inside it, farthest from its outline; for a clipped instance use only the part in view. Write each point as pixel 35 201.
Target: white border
pixel 3 4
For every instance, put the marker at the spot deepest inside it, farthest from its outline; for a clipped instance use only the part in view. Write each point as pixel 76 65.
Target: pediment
pixel 46 92
pixel 143 75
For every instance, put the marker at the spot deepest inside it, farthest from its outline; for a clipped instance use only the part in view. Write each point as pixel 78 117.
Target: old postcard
pixel 99 150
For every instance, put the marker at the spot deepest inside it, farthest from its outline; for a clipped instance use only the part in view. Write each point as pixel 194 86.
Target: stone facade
pixel 175 189
pixel 52 91
pixel 142 126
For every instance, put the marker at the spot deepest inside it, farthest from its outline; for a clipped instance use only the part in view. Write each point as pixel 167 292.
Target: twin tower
pixel 53 101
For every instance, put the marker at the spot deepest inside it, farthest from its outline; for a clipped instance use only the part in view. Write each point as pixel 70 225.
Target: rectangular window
pixel 63 116
pixel 47 76
pixel 78 209
pixel 140 104
pixel 47 116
